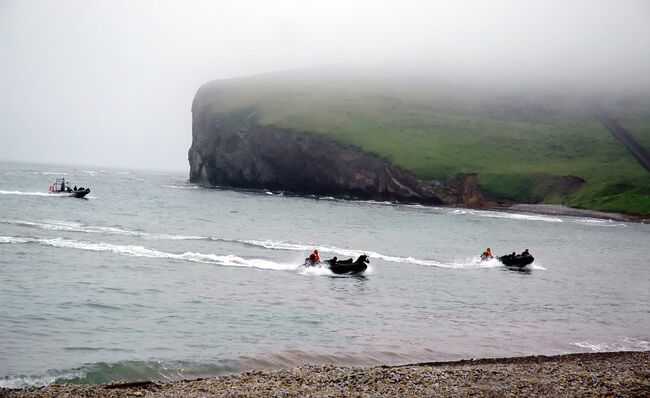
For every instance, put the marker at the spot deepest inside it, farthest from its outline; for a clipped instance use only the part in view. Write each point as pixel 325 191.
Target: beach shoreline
pixel 559 210
pixel 621 374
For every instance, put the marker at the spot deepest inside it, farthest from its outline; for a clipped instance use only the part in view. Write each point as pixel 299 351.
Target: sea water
pixel 152 277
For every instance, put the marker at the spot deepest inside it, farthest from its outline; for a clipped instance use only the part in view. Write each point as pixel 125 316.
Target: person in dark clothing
pixel 75 188
pixel 525 253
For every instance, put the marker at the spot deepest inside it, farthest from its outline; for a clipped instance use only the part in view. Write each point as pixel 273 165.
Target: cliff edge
pixel 232 148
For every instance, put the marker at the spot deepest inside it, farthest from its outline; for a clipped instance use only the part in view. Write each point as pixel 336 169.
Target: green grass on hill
pixel 438 131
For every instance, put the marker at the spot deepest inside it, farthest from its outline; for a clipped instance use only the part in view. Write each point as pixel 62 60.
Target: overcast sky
pixel 110 83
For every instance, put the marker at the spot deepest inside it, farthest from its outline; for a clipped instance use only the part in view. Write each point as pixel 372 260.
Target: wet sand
pixel 620 374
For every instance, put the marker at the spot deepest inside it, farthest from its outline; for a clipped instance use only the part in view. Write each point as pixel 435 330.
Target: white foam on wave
pixel 505 215
pixel 181 186
pixel 53 173
pixel 599 222
pixel 12 239
pixel 229 260
pixel 625 344
pixel 16 382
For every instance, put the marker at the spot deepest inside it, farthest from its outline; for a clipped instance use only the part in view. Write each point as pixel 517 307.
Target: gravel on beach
pixel 616 374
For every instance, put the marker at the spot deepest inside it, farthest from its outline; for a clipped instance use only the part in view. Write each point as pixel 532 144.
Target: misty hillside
pixel 517 140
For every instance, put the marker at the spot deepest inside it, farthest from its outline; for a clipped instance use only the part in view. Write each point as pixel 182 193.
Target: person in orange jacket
pixel 313 258
pixel 487 254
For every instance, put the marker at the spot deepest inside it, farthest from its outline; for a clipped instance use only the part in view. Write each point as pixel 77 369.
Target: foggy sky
pixel 110 83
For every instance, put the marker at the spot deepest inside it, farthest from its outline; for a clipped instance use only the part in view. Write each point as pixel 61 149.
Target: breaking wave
pixel 162 370
pixel 500 214
pixel 625 344
pixel 181 186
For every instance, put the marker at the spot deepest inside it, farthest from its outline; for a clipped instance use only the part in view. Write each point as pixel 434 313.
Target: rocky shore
pixel 619 374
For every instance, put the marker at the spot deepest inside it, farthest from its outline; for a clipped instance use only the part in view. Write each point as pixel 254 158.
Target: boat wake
pixel 465 263
pixel 228 260
pixel 3 192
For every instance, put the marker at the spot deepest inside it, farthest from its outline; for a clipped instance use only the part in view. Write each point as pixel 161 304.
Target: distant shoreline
pixel 590 374
pixel 530 208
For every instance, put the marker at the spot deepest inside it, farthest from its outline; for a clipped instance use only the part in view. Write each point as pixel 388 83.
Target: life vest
pixel 51 188
pixel 316 257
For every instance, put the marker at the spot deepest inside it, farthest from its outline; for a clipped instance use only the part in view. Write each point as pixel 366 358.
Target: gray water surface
pixel 154 278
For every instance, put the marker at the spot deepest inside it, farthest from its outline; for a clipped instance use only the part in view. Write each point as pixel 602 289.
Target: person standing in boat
pixel 525 253
pixel 62 185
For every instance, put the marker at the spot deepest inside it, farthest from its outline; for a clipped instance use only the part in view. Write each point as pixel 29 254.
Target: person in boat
pixel 487 254
pixel 313 258
pixel 525 253
pixel 333 261
pixel 75 188
pixel 62 185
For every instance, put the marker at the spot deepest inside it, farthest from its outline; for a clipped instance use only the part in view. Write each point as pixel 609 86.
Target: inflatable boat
pixel 516 261
pixel 348 266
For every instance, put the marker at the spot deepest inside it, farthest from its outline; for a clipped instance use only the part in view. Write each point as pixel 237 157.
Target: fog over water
pixel 111 83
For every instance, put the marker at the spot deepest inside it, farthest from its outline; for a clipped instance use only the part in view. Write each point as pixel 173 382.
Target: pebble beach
pixel 619 374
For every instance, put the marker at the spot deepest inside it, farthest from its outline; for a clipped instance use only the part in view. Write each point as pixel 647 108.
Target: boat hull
pixel 80 193
pixel 354 268
pixel 349 266
pixel 516 261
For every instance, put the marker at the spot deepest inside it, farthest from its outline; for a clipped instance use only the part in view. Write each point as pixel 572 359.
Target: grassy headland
pixel 518 142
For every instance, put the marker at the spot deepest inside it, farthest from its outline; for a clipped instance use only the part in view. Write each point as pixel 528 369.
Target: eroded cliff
pixel 233 149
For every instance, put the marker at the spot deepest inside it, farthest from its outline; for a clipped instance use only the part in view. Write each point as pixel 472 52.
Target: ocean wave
pixel 599 222
pixel 52 173
pixel 229 260
pixel 162 370
pixel 625 344
pixel 124 371
pixel 182 186
pixel 505 215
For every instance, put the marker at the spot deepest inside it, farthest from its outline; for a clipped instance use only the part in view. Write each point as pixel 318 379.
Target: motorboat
pixel 519 261
pixel 348 266
pixel 62 187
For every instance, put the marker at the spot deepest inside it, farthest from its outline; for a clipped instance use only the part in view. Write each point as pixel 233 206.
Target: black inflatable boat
pixel 349 266
pixel 516 261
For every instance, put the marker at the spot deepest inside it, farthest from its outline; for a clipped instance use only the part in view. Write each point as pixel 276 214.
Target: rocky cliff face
pixel 233 149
